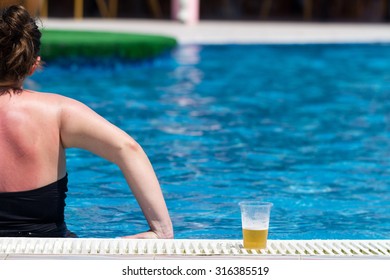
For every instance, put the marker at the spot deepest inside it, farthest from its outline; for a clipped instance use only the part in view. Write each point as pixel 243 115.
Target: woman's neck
pixel 10 85
pixel 7 87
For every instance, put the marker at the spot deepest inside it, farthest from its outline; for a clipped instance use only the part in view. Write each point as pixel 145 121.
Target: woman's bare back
pixel 30 146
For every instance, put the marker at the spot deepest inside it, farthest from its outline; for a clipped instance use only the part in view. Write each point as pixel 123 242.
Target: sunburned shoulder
pixel 53 98
pixel 43 95
pixel 66 107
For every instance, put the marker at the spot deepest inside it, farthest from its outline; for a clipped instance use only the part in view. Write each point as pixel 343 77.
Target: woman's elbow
pixel 131 146
pixel 127 149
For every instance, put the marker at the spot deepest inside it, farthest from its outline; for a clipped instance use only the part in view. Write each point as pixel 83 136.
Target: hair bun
pixel 17 19
pixel 19 43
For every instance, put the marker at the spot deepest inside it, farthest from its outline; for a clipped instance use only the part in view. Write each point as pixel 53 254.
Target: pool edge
pixel 96 248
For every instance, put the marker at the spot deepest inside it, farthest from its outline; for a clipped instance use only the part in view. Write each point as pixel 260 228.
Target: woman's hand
pixel 147 235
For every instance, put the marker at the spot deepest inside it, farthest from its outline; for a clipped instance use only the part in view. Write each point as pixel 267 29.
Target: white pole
pixel 185 11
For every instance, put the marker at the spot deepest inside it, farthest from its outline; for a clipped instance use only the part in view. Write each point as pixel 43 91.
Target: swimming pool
pixel 306 127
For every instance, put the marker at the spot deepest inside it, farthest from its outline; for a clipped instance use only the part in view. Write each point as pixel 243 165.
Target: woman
pixel 35 130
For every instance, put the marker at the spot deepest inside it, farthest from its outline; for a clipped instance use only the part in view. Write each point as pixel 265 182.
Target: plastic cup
pixel 255 222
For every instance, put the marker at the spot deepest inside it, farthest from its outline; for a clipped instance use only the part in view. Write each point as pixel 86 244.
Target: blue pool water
pixel 306 127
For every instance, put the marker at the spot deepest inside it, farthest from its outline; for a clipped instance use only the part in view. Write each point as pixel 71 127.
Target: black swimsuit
pixel 34 213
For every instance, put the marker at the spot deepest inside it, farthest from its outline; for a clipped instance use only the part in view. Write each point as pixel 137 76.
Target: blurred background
pixel 240 10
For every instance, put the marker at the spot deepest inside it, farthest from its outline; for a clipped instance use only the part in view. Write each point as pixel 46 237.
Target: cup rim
pixel 255 203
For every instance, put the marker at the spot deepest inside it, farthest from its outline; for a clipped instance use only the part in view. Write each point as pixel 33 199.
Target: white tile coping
pixel 193 248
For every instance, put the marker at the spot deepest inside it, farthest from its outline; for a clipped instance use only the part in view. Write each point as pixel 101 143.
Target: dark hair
pixel 19 44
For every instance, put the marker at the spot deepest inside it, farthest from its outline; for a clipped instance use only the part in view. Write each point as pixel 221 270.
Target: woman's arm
pixel 81 127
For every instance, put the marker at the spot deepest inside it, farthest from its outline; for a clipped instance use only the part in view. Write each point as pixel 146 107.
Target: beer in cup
pixel 255 221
